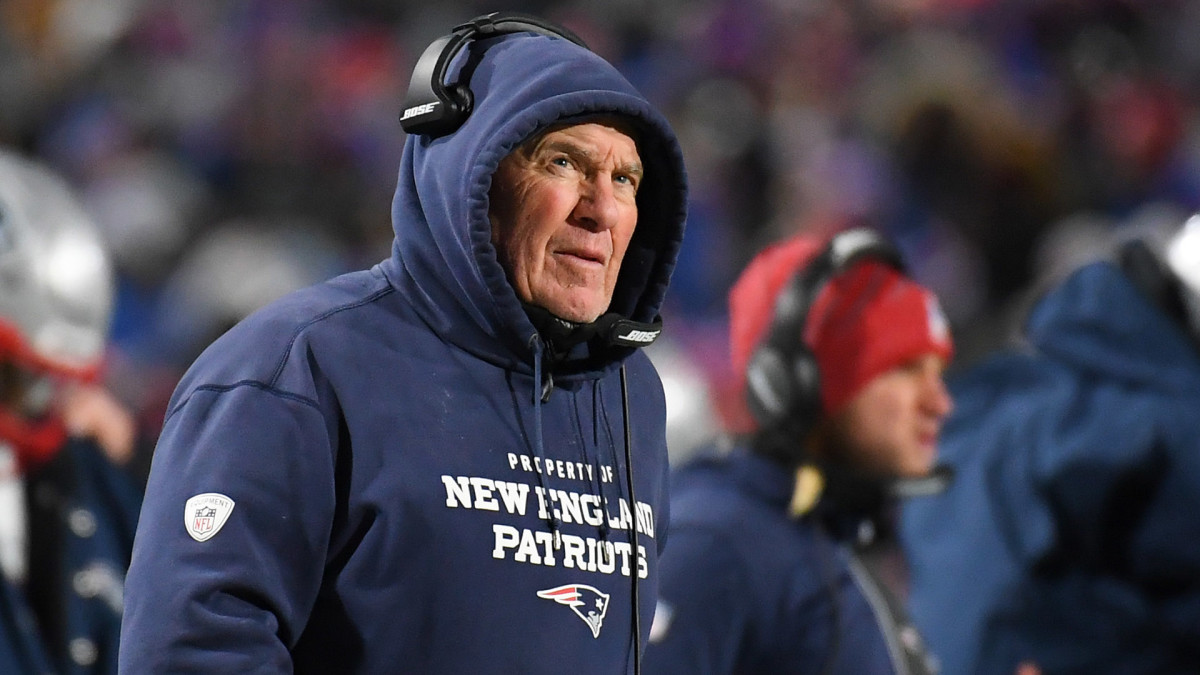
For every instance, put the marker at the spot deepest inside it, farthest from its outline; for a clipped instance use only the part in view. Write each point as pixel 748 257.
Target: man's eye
pixel 561 161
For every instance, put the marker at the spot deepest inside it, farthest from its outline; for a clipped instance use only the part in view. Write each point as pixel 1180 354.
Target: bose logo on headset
pixel 639 336
pixel 418 110
pixel 433 108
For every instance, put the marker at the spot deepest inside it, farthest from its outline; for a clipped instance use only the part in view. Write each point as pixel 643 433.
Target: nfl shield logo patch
pixel 204 515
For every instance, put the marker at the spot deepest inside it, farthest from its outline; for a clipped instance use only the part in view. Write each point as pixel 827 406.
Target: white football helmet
pixel 56 280
pixel 56 298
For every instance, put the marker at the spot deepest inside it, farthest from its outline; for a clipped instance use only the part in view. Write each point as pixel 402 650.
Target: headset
pixel 783 383
pixel 433 108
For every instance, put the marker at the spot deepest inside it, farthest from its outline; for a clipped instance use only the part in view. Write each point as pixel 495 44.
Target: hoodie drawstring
pixel 633 533
pixel 604 528
pixel 540 394
pixel 541 391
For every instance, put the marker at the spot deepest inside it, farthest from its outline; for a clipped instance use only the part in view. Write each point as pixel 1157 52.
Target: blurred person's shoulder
pixel 729 489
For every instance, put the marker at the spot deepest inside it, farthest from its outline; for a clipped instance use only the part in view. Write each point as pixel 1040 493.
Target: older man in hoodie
pixel 453 462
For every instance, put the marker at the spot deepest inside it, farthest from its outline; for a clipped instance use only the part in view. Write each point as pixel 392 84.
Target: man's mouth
pixel 585 256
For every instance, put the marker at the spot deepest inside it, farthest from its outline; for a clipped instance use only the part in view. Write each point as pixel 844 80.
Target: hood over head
pixel 443 259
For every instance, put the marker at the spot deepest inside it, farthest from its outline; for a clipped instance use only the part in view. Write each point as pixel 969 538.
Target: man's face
pixel 563 210
pixel 891 427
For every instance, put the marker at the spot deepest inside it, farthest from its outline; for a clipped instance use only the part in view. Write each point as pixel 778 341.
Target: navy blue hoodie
pixel 363 477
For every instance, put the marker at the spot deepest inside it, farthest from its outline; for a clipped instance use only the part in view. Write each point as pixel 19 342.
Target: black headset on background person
pixel 783 388
pixel 783 383
pixel 434 108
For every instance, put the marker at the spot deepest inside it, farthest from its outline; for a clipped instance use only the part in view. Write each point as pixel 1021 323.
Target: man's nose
pixel 939 397
pixel 597 206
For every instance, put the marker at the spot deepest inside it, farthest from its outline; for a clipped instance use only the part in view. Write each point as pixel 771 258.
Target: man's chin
pixel 916 468
pixel 575 310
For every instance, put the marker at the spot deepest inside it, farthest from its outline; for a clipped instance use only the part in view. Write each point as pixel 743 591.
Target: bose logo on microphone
pixel 418 110
pixel 640 336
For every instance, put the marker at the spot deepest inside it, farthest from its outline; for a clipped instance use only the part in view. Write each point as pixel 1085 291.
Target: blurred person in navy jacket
pixel 67 509
pixel 780 556
pixel 1069 540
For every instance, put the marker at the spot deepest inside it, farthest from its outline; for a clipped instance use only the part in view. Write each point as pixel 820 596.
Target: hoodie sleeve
pixel 232 537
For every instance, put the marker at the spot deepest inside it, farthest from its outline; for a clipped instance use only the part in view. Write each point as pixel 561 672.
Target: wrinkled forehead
pixel 619 123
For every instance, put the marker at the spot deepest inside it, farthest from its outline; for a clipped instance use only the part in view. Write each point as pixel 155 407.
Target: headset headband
pixel 782 377
pixel 432 107
pixel 842 252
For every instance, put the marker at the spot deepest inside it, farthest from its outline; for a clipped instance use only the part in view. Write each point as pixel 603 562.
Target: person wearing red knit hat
pixel 780 557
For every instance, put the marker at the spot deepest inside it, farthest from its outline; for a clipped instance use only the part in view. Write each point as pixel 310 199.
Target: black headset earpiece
pixel 783 383
pixel 433 108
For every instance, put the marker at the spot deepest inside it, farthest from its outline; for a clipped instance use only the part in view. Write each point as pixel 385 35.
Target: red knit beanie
pixel 863 323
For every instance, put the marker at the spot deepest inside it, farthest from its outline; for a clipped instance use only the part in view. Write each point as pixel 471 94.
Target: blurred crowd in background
pixel 232 150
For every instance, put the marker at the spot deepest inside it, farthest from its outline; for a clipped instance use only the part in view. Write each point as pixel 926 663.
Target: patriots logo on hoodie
pixel 587 602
